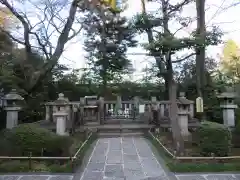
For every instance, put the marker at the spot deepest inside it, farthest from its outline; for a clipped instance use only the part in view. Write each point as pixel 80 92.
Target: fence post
pixel 72 163
pixel 30 161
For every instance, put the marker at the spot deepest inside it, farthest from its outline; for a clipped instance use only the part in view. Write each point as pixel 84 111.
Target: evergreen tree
pixel 106 42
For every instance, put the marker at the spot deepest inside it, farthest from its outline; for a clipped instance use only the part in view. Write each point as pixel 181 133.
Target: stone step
pixel 119 134
pixel 123 121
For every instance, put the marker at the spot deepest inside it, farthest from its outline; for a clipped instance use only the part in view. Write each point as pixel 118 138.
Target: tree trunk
pixel 200 51
pixel 176 131
pixel 172 89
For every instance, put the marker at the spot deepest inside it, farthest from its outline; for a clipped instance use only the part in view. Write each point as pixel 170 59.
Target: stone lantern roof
pixel 61 100
pixel 183 100
pixel 230 94
pixel 13 95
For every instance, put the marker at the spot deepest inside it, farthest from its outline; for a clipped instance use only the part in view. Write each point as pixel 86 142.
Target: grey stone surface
pixel 61 177
pixel 33 177
pixel 220 177
pixel 9 177
pixel 36 177
pixel 93 175
pixel 114 170
pixel 193 177
pixel 123 158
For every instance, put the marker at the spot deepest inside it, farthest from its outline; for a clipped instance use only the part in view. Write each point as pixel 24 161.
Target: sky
pixel 217 13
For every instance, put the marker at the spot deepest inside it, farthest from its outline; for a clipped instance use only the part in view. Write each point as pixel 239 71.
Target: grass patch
pixel 177 166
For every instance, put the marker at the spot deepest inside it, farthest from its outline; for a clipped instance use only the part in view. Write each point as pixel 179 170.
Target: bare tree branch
pixel 182 59
pixel 27 43
pixel 41 32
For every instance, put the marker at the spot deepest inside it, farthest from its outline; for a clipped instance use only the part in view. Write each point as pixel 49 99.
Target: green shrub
pixel 14 166
pixel 214 138
pixel 28 138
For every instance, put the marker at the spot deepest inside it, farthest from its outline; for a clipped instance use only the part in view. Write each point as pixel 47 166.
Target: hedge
pixel 27 138
pixel 214 139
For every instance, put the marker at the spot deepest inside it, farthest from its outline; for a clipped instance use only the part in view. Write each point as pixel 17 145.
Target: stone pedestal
pixel 13 106
pixel 183 115
pixel 12 117
pixel 60 115
pixel 229 114
pixel 183 123
pixel 61 123
pixel 228 106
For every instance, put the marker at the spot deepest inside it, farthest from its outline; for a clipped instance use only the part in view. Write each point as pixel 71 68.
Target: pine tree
pixel 106 42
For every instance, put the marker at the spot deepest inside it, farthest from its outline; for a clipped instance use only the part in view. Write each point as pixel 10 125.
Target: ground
pixel 119 158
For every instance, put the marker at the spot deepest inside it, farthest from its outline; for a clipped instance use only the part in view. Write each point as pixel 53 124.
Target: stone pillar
pixel 191 110
pixel 162 110
pixel 155 112
pixel 101 112
pixel 183 121
pixel 135 107
pixel 12 117
pixel 54 110
pixel 12 107
pixel 60 115
pixel 47 112
pixel 61 122
pixel 183 115
pixel 228 106
pixel 118 106
pixel 81 113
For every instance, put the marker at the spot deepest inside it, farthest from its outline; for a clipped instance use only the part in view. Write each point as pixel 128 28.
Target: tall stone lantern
pixel 228 106
pixel 61 114
pixel 183 114
pixel 13 106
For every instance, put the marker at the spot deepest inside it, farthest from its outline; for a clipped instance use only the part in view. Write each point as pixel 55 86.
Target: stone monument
pixel 12 100
pixel 228 106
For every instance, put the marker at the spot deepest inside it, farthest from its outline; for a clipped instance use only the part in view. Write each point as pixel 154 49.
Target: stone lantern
pixel 12 106
pixel 183 114
pixel 228 106
pixel 61 114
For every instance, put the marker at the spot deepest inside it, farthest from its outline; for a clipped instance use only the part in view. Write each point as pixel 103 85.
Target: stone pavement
pixel 123 158
pixel 209 176
pixel 36 177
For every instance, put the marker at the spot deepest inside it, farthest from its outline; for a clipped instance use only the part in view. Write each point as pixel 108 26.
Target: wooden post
pixel 30 161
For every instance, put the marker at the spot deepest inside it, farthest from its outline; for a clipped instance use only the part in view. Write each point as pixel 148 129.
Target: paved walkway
pixel 125 158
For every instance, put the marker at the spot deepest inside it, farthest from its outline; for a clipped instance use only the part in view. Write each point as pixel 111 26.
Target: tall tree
pixel 50 20
pixel 230 61
pixel 107 42
pixel 200 50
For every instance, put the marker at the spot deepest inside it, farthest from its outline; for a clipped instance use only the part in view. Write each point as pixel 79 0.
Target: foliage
pixel 107 53
pixel 209 141
pixel 29 138
pixel 53 166
pixel 230 61
pixel 171 43
pixel 176 166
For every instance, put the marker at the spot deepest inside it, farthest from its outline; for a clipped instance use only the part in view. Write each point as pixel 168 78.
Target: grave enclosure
pixel 64 117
